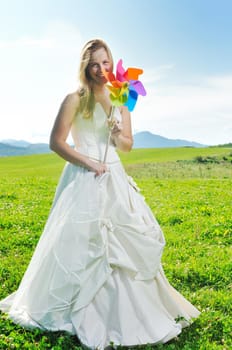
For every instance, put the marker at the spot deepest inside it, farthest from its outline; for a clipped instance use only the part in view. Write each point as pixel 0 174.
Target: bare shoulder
pixel 69 108
pixel 64 119
pixel 72 99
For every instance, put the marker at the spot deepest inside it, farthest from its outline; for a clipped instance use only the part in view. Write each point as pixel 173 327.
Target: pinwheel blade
pixel 132 99
pixel 108 75
pixel 119 100
pixel 133 73
pixel 120 71
pixel 114 91
pixel 138 86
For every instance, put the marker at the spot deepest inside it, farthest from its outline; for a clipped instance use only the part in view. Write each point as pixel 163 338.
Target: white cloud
pixel 153 75
pixel 57 35
pixel 26 42
pixel 199 111
pixel 36 74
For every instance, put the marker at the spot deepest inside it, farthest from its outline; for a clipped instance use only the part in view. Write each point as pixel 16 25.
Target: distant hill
pixel 146 139
pixel 143 139
pixel 30 148
pixel 226 145
pixel 16 143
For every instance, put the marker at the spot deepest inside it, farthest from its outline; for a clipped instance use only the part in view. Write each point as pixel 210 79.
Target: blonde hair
pixel 85 91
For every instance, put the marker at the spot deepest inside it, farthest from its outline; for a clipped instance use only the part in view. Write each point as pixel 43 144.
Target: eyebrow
pixel 106 59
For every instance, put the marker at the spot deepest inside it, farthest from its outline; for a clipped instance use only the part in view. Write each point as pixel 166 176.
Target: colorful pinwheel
pixel 124 90
pixel 125 87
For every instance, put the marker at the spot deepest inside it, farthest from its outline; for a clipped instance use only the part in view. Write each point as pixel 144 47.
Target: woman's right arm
pixel 60 131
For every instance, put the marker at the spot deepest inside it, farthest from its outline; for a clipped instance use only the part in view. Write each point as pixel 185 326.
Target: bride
pixel 96 271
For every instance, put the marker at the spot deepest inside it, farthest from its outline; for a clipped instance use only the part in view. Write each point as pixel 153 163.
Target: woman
pixel 96 270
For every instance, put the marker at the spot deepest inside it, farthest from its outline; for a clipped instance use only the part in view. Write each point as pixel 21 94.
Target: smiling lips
pixel 101 77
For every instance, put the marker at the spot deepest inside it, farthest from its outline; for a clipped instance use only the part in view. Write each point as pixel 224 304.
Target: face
pixel 98 62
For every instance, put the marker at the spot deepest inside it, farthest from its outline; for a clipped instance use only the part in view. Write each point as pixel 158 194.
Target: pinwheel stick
pixel 110 118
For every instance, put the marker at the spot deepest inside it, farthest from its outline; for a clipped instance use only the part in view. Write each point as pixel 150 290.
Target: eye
pixel 93 65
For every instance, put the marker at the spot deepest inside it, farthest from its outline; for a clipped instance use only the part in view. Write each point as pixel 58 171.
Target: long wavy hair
pixel 87 101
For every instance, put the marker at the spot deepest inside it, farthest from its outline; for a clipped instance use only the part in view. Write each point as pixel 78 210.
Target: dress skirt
pixel 96 271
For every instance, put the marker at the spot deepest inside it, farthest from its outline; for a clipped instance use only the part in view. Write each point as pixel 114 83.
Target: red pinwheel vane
pixel 124 89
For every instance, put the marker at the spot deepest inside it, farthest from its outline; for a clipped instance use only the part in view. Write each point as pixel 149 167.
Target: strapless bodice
pixel 90 135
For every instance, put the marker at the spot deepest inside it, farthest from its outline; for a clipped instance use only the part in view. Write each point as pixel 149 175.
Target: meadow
pixel 189 191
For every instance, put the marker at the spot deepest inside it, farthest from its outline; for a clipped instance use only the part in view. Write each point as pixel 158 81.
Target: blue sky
pixel 184 47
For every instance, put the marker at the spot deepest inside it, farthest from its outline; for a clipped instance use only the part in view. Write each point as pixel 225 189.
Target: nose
pixel 101 68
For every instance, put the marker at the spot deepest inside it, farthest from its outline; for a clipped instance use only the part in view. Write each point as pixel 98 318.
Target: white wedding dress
pixel 96 270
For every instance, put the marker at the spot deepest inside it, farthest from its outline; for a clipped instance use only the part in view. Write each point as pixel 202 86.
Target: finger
pixel 116 132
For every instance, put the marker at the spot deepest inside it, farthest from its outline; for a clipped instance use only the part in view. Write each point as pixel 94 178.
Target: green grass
pixel 192 202
pixel 151 155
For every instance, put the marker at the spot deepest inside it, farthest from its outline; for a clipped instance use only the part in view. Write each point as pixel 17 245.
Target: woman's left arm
pixel 122 133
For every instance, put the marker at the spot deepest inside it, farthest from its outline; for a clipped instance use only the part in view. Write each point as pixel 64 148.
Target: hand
pixel 116 129
pixel 98 168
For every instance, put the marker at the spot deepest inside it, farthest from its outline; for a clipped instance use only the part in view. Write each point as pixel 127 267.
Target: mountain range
pixel 19 148
pixel 143 139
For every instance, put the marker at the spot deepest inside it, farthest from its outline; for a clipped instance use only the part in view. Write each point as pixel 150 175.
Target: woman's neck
pixel 99 89
pixel 100 92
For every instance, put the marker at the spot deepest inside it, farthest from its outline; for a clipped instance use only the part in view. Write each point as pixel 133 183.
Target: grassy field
pixel 190 192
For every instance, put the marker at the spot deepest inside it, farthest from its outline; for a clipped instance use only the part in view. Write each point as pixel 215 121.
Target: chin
pixel 102 79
